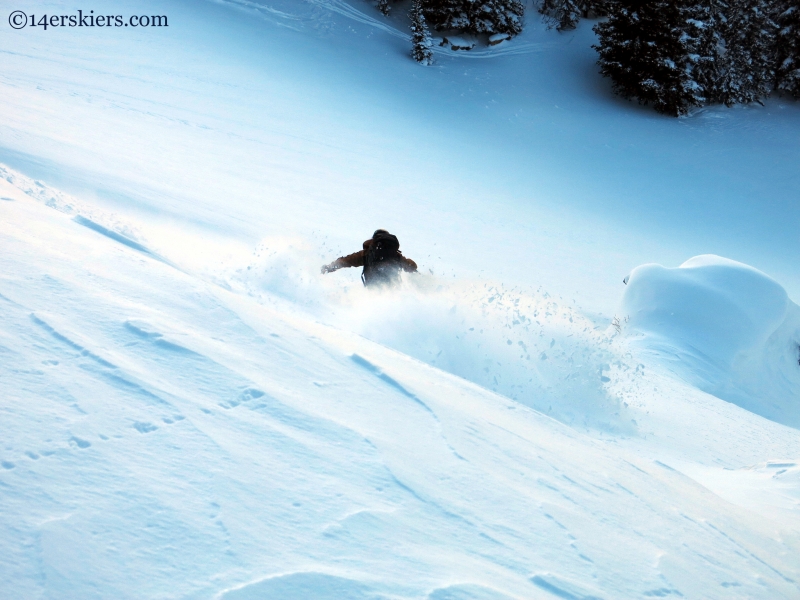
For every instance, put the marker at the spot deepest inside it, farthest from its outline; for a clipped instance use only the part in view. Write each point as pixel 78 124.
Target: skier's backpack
pixel 382 259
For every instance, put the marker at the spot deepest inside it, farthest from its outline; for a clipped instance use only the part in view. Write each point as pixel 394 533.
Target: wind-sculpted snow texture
pixel 189 409
pixel 156 424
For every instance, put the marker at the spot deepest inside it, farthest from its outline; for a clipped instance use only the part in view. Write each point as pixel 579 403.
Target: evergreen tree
pixel 650 52
pixel 475 16
pixel 787 48
pixel 420 36
pixel 596 8
pixel 565 14
pixel 561 14
pixel 705 21
pixel 745 66
pixel 383 6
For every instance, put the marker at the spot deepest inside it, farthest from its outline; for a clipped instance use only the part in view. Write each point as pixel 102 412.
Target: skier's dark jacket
pixel 375 272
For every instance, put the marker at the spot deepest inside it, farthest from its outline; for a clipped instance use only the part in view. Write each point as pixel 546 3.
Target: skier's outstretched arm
pixel 356 259
pixel 409 265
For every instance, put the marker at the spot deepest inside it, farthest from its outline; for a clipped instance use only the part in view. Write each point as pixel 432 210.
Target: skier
pixel 380 257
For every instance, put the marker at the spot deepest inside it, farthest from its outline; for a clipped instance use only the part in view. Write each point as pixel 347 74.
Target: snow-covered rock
pixel 458 42
pixel 710 305
pixel 498 38
pixel 733 330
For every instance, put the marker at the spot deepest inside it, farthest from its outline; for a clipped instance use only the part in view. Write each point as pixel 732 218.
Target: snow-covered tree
pixel 787 48
pixel 562 14
pixel 650 51
pixel 475 16
pixel 420 36
pixel 565 14
pixel 746 62
pixel 384 7
pixel 705 21
pixel 596 8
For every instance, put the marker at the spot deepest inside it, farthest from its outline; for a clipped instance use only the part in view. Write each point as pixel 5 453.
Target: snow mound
pixel 727 327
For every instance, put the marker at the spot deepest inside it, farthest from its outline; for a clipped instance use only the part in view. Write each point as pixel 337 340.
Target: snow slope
pixel 189 410
pixel 167 437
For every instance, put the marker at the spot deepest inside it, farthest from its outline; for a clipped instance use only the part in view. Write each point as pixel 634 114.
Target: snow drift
pixel 727 327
